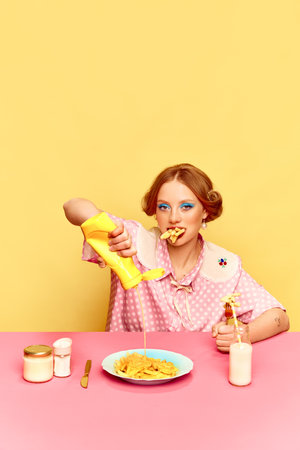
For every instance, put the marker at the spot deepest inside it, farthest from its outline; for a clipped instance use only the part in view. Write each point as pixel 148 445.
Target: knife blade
pixel 84 380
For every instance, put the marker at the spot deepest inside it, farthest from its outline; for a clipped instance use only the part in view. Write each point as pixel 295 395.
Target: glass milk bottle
pixel 240 358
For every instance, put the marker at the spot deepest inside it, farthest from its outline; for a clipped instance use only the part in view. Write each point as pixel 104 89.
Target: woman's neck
pixel 185 257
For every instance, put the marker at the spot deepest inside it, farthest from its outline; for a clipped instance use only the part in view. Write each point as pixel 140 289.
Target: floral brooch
pixel 222 262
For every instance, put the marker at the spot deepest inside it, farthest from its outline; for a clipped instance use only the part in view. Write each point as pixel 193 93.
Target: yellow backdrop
pixel 97 97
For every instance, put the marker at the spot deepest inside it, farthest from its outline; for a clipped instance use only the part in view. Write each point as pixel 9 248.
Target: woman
pixel 197 273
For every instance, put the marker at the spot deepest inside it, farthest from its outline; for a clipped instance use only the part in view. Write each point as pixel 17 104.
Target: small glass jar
pixel 62 357
pixel 38 363
pixel 240 358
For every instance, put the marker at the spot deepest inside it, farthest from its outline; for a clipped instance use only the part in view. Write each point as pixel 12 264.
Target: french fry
pixel 173 234
pixel 139 366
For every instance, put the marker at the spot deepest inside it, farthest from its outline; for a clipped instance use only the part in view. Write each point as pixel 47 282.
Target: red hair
pixel 196 180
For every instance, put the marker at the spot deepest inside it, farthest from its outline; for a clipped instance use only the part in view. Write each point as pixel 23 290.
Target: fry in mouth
pixel 172 234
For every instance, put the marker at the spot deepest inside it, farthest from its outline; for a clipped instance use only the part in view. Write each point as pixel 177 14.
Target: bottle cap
pixel 62 346
pixel 37 350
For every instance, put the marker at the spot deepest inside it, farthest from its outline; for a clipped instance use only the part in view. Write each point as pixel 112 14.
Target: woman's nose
pixel 175 216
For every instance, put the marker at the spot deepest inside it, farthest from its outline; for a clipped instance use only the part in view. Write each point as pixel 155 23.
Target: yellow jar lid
pixel 38 350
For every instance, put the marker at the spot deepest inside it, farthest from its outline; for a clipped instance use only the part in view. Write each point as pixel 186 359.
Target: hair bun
pixel 213 196
pixel 214 205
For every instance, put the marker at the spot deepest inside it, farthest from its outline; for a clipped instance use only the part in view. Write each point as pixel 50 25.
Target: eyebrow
pixel 181 201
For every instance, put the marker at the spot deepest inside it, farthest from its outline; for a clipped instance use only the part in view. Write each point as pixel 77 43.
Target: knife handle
pixel 88 366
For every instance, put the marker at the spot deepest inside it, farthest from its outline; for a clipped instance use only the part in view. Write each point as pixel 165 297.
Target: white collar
pixel 212 267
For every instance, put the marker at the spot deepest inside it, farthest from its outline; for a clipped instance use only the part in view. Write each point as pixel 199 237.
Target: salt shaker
pixel 62 357
pixel 240 358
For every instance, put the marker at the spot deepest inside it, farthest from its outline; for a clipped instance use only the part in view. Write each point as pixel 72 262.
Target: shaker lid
pixel 38 350
pixel 62 346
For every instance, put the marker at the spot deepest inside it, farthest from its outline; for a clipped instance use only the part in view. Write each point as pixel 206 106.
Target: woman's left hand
pixel 224 335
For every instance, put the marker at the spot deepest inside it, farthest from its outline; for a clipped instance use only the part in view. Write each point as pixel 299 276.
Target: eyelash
pixel 163 207
pixel 187 206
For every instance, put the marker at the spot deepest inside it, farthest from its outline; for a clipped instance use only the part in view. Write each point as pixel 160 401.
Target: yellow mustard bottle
pixel 95 231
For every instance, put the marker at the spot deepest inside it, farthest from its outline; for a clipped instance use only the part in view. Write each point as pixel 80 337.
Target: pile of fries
pixel 139 366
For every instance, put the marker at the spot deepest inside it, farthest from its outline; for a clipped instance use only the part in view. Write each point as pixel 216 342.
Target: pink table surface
pixel 199 410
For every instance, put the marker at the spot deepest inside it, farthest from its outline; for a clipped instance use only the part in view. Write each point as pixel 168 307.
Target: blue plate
pixel 183 364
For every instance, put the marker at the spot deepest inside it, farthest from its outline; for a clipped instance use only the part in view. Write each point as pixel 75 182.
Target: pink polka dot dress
pixel 191 304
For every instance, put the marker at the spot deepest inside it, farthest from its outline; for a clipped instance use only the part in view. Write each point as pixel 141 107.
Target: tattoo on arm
pixel 277 320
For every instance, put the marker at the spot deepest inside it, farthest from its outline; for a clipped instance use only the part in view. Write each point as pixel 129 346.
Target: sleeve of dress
pixel 254 299
pixel 88 254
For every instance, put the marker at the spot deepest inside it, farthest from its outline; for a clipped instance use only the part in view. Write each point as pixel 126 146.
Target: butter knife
pixel 84 380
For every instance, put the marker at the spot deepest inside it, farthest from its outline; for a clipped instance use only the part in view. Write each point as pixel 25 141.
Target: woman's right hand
pixel 120 241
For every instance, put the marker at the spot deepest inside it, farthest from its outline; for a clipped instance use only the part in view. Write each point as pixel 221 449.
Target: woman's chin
pixel 179 241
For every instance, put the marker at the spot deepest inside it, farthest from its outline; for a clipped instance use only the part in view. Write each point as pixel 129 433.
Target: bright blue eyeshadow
pixel 187 204
pixel 163 205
